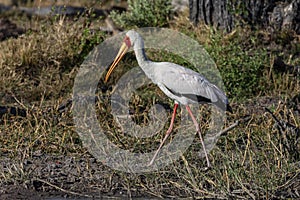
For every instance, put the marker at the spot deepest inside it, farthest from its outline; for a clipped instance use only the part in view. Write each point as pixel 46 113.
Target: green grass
pixel 254 160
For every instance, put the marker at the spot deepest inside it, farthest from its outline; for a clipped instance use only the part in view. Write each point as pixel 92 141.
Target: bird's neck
pixel 140 53
pixel 142 58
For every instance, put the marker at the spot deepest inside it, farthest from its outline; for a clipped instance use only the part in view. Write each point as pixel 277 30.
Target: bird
pixel 179 83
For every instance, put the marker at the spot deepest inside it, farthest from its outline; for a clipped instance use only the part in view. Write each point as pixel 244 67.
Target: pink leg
pixel 198 131
pixel 167 133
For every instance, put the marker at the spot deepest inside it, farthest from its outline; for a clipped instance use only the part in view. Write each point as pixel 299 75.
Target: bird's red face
pixel 127 41
pixel 124 48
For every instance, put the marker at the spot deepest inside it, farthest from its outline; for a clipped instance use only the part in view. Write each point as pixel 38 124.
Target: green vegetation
pixel 143 13
pixel 242 70
pixel 246 57
pixel 258 159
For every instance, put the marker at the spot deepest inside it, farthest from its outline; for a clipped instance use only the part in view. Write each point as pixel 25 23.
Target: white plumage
pixel 181 84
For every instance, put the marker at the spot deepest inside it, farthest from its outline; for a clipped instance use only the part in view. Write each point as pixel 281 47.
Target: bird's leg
pixel 198 131
pixel 167 133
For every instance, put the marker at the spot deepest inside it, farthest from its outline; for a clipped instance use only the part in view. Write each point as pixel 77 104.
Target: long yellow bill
pixel 120 55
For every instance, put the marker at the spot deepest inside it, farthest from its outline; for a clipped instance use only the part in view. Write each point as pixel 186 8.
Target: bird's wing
pixel 184 81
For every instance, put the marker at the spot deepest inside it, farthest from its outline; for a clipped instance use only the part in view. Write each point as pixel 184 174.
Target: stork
pixel 181 84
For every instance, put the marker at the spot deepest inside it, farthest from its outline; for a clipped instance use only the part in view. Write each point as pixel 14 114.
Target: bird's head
pixel 132 37
pixel 129 41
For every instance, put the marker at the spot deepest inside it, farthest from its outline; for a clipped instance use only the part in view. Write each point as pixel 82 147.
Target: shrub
pixel 242 70
pixel 144 13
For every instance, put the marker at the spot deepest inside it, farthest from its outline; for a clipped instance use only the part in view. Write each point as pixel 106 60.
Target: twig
pixel 19 102
pixel 290 181
pixel 63 190
pixel 274 117
pixel 236 123
pixel 283 125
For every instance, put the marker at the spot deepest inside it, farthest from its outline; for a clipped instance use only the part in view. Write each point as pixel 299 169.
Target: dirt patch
pixel 21 192
pixel 56 176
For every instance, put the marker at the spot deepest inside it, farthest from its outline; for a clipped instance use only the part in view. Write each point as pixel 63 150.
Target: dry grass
pixel 36 63
pixel 257 159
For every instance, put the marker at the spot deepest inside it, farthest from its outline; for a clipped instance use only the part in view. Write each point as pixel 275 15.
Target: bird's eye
pixel 127 41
